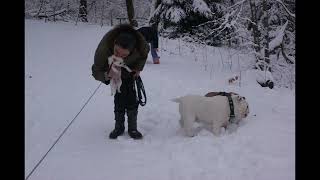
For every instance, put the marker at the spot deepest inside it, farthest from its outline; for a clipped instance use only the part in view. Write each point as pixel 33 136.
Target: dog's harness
pixel 232 116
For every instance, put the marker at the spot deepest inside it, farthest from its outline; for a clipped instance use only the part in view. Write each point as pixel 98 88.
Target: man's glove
pixel 135 73
pixel 107 82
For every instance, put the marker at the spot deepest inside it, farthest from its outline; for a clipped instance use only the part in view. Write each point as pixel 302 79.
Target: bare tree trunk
pixel 266 29
pixel 158 2
pixel 95 11
pixel 45 12
pixel 83 11
pixel 155 4
pixel 68 6
pixel 41 5
pixel 130 11
pixel 102 13
pixel 111 17
pixel 254 25
pixel 55 7
pixel 260 31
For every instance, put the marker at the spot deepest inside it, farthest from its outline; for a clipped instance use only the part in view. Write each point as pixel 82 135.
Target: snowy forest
pixel 263 28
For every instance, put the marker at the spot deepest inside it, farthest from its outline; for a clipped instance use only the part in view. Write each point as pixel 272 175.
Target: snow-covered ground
pixel 58 82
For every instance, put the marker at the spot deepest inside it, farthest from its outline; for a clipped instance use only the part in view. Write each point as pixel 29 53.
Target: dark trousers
pixel 126 102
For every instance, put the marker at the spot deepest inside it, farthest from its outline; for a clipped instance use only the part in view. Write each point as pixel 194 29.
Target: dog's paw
pixel 216 130
pixel 232 127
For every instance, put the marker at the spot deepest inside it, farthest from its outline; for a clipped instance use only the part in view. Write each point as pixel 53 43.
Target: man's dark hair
pixel 126 40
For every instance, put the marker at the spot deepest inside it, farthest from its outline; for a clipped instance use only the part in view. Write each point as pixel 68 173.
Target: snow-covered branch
pixel 285 8
pixel 248 19
pixel 175 14
pixel 237 4
pixel 201 7
pixel 276 42
pixel 208 22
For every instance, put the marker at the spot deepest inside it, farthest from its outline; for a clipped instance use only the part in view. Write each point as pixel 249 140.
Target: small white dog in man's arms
pixel 211 111
pixel 114 73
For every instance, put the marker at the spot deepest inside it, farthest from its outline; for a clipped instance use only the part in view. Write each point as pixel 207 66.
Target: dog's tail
pixel 177 100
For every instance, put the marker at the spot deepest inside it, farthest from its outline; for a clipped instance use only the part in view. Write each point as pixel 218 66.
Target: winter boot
pixel 119 126
pixel 132 124
pixel 156 61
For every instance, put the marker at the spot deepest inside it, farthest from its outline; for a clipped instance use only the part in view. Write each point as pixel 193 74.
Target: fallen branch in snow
pixel 42 15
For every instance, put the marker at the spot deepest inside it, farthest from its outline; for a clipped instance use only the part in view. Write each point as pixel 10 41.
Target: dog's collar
pixel 232 116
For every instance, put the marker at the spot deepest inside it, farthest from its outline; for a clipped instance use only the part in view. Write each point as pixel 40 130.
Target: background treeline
pixel 264 28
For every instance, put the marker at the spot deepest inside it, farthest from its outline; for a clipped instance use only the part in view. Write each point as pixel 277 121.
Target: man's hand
pixel 136 73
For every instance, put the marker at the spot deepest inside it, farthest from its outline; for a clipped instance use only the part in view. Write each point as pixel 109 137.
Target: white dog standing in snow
pixel 114 74
pixel 214 111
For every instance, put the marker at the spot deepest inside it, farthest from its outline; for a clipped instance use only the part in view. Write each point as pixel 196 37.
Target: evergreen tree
pixel 179 16
pixel 130 11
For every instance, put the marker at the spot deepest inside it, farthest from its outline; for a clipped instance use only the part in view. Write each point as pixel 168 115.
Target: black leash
pixel 140 88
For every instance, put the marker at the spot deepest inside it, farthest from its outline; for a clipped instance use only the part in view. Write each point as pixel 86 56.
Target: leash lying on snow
pixel 139 89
